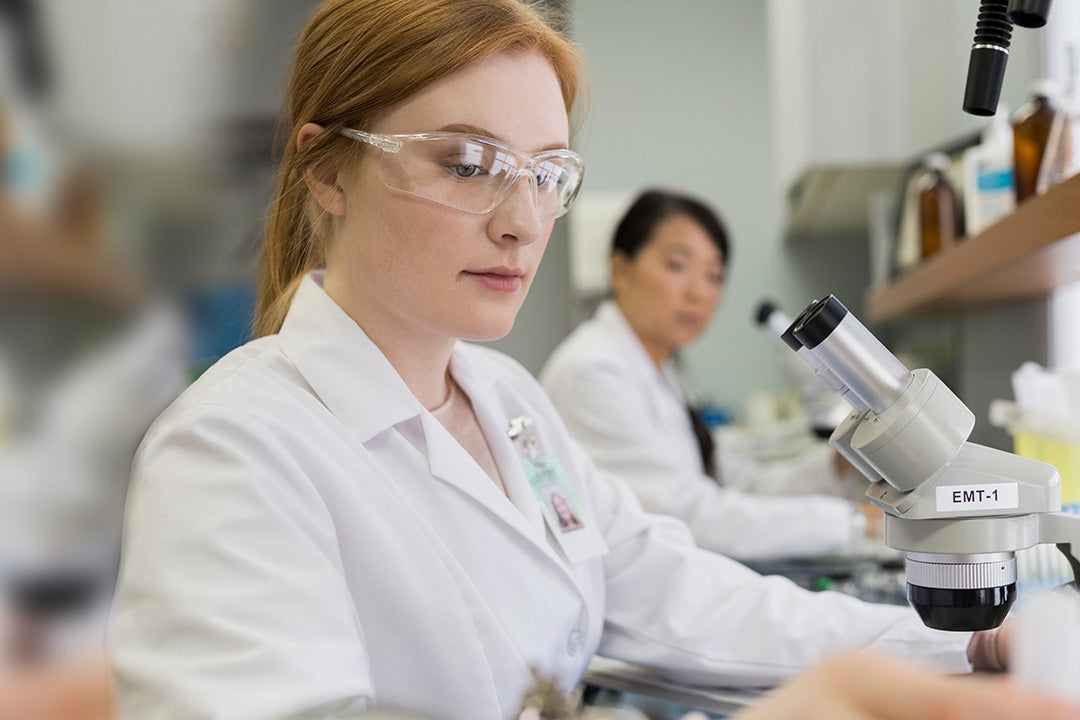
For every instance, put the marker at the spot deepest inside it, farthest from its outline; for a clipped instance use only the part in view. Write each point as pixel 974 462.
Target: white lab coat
pixel 632 419
pixel 304 539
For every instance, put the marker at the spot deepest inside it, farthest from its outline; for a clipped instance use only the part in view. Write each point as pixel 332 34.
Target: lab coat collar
pixel 609 315
pixel 327 346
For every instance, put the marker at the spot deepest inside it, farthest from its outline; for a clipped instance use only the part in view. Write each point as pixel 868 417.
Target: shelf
pixel 1026 254
pixel 830 201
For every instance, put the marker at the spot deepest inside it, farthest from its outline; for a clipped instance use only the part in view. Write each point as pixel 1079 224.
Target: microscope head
pixel 958 510
pixel 990 50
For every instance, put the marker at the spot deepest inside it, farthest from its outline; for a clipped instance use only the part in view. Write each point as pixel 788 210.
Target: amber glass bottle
pixel 1031 128
pixel 938 221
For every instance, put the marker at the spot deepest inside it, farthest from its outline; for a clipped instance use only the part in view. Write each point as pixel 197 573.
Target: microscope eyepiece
pixel 1029 13
pixel 852 353
pixel 788 336
pixel 989 56
pixel 818 322
pixel 764 310
pixel 961 592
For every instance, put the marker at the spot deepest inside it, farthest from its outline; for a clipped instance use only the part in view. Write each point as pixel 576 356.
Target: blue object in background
pixel 714 416
pixel 220 322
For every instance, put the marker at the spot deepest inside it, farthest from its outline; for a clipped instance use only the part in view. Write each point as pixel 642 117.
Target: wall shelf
pixel 1026 254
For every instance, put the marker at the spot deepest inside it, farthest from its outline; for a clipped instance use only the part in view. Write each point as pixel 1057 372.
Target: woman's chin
pixel 487 331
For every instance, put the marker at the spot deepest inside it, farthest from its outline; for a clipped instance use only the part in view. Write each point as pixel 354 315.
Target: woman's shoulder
pixel 256 380
pixel 593 347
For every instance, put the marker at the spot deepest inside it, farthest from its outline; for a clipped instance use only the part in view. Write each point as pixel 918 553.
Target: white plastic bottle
pixel 989 182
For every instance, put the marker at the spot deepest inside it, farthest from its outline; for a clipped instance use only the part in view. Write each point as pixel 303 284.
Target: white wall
pixel 680 99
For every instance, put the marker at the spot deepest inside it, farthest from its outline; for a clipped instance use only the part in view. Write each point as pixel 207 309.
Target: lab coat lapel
pixel 449 462
pixel 330 349
pixel 448 459
pixel 494 415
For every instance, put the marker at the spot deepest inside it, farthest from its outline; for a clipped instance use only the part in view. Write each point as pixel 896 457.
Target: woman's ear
pixel 323 185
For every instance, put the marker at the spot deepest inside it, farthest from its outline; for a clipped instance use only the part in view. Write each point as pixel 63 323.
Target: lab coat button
pixel 573 644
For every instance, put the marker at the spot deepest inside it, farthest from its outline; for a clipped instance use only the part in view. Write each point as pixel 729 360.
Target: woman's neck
pixel 420 357
pixel 658 353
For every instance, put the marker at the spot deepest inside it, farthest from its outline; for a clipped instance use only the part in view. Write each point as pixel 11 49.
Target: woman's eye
pixel 675 266
pixel 462 170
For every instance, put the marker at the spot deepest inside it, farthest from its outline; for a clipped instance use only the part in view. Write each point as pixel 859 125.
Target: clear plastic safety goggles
pixel 474 173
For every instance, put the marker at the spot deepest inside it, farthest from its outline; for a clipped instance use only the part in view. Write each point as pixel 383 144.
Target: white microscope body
pixel 959 511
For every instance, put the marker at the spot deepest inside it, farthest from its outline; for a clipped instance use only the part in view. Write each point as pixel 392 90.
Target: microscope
pixel 990 50
pixel 957 510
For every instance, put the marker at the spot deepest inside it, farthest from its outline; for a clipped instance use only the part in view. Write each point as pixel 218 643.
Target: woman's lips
pixel 498 279
pixel 691 319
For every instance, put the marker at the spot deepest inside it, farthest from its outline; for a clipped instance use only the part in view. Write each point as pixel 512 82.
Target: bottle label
pixel 995 180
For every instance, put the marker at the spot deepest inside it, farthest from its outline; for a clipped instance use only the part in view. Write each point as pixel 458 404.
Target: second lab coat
pixel 304 539
pixel 632 419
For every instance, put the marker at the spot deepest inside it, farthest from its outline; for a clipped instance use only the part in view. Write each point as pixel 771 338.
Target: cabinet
pixel 1028 253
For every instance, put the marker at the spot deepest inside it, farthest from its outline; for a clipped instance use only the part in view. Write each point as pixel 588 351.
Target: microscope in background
pixel 959 511
pixel 990 50
pixel 824 410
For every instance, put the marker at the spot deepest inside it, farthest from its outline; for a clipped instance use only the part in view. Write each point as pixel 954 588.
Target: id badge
pixel 563 511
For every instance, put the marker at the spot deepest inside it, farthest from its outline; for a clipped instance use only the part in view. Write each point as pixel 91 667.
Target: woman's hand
pixel 864 686
pixel 78 691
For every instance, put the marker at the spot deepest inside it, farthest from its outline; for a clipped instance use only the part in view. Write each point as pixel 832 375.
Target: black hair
pixel 653 207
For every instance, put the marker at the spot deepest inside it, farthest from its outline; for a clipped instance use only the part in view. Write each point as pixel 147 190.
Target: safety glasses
pixel 474 173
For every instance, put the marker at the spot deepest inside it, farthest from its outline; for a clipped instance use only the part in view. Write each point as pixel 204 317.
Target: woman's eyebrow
pixel 476 130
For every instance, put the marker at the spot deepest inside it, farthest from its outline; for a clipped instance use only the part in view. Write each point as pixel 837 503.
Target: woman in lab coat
pixel 614 383
pixel 348 510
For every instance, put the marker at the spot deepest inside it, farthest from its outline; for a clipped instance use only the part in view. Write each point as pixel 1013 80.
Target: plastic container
pixel 1031 130
pixel 1057 442
pixel 989 185
pixel 938 221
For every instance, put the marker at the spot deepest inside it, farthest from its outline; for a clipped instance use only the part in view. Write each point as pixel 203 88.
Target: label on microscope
pixel 991 496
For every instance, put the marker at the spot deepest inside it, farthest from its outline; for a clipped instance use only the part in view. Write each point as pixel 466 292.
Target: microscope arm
pixel 1063 529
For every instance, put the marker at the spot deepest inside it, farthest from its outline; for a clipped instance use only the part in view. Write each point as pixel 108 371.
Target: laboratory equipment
pixel 959 511
pixel 990 50
pixel 823 409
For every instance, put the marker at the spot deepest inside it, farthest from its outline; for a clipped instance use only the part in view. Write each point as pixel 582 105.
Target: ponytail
pixel 290 248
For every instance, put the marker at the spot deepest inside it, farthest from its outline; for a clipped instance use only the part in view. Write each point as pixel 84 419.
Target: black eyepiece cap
pixel 818 322
pixel 1029 13
pixel 790 340
pixel 764 309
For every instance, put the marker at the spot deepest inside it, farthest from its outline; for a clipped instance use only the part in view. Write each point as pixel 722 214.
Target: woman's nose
pixel 517 217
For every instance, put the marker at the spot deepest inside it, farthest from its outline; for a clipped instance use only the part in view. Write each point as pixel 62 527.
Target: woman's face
pixel 562 508
pixel 671 288
pixel 403 266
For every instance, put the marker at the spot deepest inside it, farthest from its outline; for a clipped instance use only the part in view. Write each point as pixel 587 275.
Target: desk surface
pixel 624 677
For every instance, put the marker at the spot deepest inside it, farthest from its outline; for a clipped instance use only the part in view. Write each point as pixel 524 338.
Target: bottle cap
pixel 1045 87
pixel 936 161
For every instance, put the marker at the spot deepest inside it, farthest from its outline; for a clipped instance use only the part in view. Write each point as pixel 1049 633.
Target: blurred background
pixel 137 140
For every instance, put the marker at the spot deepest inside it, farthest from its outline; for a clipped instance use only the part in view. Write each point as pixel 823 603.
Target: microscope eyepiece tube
pixel 853 354
pixel 788 336
pixel 1029 13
